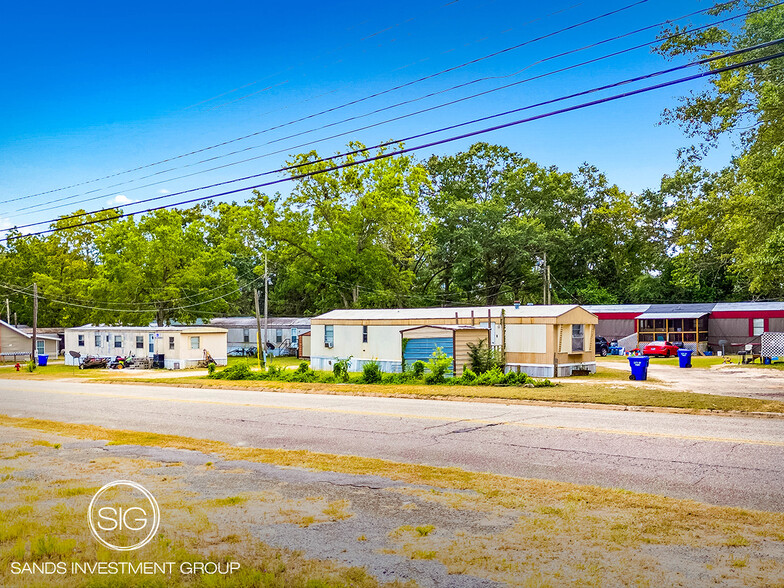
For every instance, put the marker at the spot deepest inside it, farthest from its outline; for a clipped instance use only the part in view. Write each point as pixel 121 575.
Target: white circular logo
pixel 123 515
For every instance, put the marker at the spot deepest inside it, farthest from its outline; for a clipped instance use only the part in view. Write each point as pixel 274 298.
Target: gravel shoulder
pixel 721 380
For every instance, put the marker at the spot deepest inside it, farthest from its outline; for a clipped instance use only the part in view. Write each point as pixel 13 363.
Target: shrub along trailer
pixel 542 341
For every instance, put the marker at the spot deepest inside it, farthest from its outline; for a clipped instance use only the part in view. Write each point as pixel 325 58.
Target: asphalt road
pixel 722 460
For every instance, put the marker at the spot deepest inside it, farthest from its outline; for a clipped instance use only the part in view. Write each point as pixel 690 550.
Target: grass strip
pixel 592 391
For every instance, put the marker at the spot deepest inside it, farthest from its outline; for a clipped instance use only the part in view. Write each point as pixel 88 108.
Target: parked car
pixel 660 349
pixel 602 346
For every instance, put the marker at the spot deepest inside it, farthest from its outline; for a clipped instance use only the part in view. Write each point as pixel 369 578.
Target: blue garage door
pixel 422 349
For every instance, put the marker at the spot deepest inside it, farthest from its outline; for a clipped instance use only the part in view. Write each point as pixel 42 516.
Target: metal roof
pixel 425 314
pixel 447 327
pixel 274 322
pixel 747 306
pixel 185 329
pixel 671 315
pixel 30 335
pixel 615 308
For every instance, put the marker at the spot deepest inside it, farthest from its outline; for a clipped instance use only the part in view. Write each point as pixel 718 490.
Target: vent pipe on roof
pixel 517 304
pixel 472 318
pixel 457 322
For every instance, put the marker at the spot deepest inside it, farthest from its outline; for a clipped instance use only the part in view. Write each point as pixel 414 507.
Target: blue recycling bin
pixel 639 365
pixel 42 360
pixel 684 358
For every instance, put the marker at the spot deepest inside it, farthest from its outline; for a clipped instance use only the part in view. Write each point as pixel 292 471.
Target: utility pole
pixel 7 311
pixel 266 307
pixel 35 322
pixel 258 327
pixel 549 287
pixel 544 279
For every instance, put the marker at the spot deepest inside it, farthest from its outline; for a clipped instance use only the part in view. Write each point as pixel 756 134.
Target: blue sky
pixel 90 90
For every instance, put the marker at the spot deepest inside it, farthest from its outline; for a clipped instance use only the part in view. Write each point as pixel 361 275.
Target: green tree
pixel 163 262
pixel 345 237
pixel 730 224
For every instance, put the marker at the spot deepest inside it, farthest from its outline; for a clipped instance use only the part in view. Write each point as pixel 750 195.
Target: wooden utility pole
pixel 35 322
pixel 266 307
pixel 7 311
pixel 549 287
pixel 544 279
pixel 258 327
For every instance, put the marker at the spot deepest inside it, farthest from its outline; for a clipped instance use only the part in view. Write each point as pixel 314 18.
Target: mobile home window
pixel 758 326
pixel 40 347
pixel 329 335
pixel 278 335
pixel 81 340
pixel 294 337
pixel 246 335
pixel 364 334
pixel 97 339
pixel 195 343
pixel 118 340
pixel 578 338
pixel 139 341
pixel 171 342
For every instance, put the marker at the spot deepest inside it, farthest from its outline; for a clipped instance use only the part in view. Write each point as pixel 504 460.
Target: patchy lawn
pixel 513 530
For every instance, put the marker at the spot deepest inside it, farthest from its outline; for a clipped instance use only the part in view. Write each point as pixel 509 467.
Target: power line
pixel 420 135
pixel 27 291
pixel 469 134
pixel 376 124
pixel 131 310
pixel 462 136
pixel 355 101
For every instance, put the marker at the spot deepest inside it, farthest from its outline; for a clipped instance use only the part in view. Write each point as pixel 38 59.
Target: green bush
pixel 211 368
pixel 490 377
pixel 240 371
pixel 483 358
pixel 418 369
pixel 30 366
pixel 438 365
pixel 340 369
pixel 371 373
pixel 513 378
pixel 468 378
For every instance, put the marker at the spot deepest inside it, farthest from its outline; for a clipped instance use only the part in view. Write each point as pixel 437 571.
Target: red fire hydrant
pixel 17 366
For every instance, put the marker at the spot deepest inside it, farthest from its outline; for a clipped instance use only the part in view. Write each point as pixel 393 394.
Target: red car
pixel 661 349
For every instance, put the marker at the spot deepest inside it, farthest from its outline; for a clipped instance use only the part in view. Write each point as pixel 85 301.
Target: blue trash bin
pixel 42 359
pixel 639 365
pixel 684 358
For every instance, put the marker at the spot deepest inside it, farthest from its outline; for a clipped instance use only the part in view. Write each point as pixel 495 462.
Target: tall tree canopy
pixel 730 224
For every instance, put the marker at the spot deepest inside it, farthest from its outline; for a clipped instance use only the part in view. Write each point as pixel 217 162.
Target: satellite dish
pixel 75 354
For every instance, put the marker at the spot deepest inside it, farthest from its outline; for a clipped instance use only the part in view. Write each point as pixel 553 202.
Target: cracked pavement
pixel 736 461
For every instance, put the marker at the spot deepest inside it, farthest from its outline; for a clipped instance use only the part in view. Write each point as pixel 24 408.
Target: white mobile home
pixel 176 347
pixel 543 341
pixel 283 333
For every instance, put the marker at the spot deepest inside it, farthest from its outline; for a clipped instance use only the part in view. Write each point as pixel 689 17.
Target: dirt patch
pixel 721 380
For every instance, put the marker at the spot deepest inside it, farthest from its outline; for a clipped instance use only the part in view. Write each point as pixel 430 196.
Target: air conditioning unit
pixel 329 345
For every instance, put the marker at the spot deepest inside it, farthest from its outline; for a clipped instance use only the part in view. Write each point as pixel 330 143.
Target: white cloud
pixel 5 223
pixel 163 191
pixel 119 200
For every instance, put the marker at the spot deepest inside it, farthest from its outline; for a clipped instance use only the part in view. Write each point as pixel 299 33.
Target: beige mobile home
pixel 180 347
pixel 543 341
pixel 16 345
